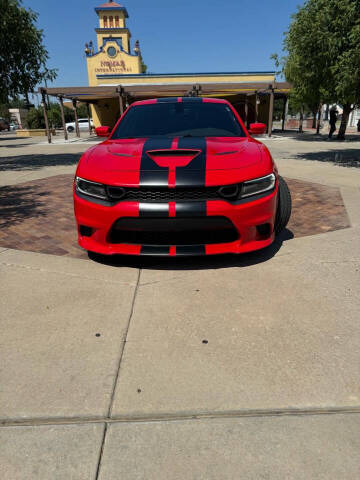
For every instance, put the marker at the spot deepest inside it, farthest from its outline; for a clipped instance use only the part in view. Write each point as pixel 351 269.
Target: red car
pixel 179 176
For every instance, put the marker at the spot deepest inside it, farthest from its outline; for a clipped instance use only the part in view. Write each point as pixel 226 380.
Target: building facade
pixel 111 56
pixel 114 62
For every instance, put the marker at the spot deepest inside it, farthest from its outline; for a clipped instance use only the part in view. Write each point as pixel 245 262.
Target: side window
pixel 116 21
pixel 111 22
pixel 105 22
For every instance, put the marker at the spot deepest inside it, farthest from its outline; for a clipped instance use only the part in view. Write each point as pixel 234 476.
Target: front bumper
pixel 252 220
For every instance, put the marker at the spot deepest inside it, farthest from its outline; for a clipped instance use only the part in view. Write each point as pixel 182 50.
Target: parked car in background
pixel 83 125
pixel 4 124
pixel 14 126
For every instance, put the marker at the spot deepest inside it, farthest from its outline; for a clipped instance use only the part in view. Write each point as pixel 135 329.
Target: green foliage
pixel 69 114
pixel 17 103
pixel 323 55
pixel 4 112
pixel 278 109
pixel 54 115
pixel 35 118
pixel 81 111
pixel 143 66
pixel 23 56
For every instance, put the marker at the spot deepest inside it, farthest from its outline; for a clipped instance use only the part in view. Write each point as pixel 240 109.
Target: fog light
pixel 85 231
pixel 264 230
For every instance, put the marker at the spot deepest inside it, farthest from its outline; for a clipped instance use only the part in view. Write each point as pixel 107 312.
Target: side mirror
pixel 257 128
pixel 102 131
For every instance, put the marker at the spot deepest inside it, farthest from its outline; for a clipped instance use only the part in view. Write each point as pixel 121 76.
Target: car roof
pixel 179 99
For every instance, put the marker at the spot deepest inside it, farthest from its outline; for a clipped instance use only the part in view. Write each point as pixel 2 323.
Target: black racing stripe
pixel 155 250
pixel 192 99
pixel 194 173
pixel 158 210
pixel 190 209
pixel 150 173
pixel 167 100
pixel 190 250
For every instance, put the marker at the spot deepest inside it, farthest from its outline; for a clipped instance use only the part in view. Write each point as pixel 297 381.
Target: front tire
pixel 283 211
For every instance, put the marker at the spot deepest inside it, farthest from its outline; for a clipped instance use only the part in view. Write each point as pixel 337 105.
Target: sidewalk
pixel 217 368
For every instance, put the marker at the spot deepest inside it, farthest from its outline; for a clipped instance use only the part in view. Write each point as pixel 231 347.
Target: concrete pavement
pixel 201 369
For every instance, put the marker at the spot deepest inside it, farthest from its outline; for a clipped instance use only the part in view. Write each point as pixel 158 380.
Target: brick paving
pixel 38 216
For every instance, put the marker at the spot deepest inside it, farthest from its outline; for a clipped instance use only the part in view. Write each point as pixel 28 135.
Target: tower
pixel 112 55
pixel 112 25
pixel 111 58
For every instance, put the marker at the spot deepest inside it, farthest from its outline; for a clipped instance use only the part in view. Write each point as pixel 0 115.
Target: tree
pixel 143 66
pixel 345 47
pixel 23 56
pixel 323 55
pixel 35 118
pixel 4 112
pixel 82 111
pixel 54 115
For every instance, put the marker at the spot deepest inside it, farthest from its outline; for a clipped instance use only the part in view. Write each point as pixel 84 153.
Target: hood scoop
pixel 173 157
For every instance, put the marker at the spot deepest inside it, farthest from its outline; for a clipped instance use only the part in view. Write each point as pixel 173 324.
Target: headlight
pixel 92 189
pixel 258 185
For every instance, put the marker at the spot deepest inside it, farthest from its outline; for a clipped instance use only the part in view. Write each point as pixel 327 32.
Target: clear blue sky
pixel 187 36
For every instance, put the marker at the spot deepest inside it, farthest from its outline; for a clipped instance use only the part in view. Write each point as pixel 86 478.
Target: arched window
pixel 116 21
pixel 111 22
pixel 105 22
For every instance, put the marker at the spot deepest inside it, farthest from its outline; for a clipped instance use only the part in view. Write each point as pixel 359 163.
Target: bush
pixel 4 112
pixel 35 118
pixel 54 115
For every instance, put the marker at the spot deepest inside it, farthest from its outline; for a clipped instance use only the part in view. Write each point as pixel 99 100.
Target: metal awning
pixel 148 90
pixel 131 92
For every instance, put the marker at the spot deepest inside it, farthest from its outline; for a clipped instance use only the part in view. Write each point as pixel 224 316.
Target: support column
pixel 285 107
pixel 88 114
pixel 256 107
pixel 271 112
pixel 63 117
pixel 301 119
pixel 318 123
pixel 76 119
pixel 246 112
pixel 48 132
pixel 121 100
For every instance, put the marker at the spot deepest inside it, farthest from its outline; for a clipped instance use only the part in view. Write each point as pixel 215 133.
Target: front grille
pixel 173 231
pixel 150 194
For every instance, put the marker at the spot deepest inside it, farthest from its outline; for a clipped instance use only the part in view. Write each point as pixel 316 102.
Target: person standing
pixel 332 122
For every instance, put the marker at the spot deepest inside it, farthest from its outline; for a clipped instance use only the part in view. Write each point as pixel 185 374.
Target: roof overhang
pixel 149 90
pixel 110 9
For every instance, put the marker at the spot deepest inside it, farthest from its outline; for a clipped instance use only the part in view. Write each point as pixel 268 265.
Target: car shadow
pixel 195 263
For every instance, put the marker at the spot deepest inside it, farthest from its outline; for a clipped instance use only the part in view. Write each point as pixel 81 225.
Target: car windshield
pixel 179 119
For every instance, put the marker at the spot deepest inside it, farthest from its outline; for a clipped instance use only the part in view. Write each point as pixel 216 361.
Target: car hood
pixel 212 161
